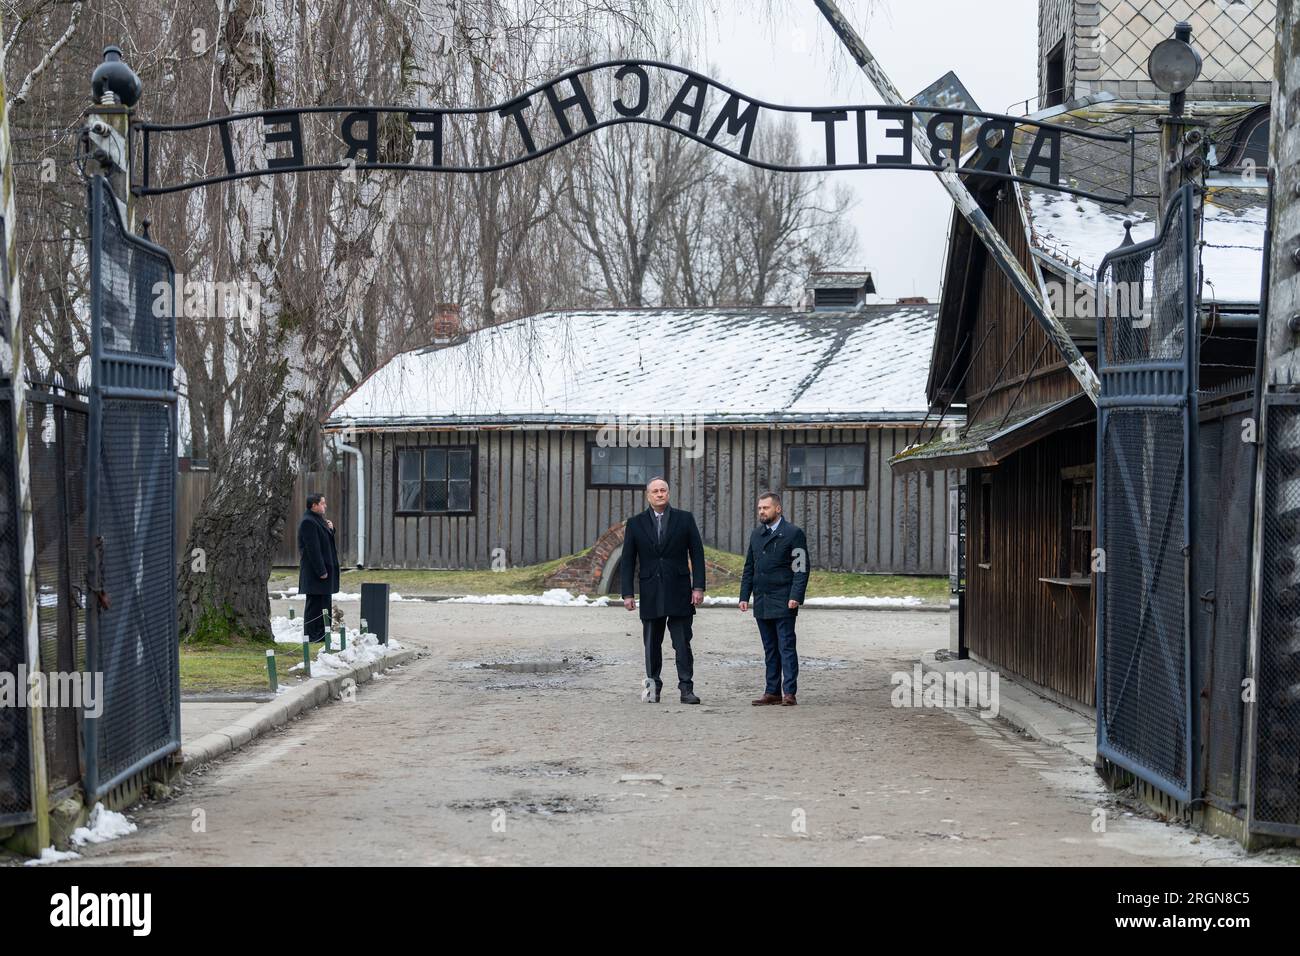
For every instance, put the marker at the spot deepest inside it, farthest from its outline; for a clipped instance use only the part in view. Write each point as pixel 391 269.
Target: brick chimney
pixel 446 320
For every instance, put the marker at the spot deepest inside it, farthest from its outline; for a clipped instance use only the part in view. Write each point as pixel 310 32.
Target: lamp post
pixel 114 90
pixel 1174 65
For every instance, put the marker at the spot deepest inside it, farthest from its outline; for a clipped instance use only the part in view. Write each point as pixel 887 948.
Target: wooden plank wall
pixel 192 487
pixel 533 503
pixel 1002 315
pixel 1041 631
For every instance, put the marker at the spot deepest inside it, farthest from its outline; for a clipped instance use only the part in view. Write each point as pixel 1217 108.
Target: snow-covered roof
pixel 1079 232
pixel 722 365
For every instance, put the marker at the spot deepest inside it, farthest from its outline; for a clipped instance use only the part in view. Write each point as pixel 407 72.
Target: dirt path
pixel 447 762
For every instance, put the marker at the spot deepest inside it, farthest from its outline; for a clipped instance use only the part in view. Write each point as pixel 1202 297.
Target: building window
pixel 436 481
pixel 1076 523
pixel 618 467
pixel 1054 76
pixel 826 466
pixel 986 521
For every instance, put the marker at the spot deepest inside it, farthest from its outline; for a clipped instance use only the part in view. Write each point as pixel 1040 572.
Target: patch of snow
pixel 51 855
pixel 556 597
pixel 293 595
pixel 362 649
pixel 104 825
pixel 1083 231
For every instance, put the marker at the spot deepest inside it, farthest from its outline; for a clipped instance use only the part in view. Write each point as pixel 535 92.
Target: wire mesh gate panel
pixel 15 744
pixel 1147 364
pixel 131 636
pixel 57 426
pixel 1276 786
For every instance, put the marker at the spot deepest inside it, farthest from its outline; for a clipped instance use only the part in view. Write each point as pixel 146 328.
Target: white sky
pixel 901 216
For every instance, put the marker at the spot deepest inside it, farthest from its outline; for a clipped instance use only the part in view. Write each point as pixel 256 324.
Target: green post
pixel 270 669
pixel 306 658
pixel 343 637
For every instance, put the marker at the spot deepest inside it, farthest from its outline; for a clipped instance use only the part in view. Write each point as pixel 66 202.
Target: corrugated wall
pixel 532 500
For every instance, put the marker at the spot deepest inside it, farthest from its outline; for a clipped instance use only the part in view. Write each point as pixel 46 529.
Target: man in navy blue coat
pixel 660 540
pixel 776 577
pixel 318 573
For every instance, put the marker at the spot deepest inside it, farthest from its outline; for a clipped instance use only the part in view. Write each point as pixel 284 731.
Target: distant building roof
pixel 726 365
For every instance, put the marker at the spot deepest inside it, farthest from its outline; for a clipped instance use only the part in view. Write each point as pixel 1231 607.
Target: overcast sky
pixel 901 217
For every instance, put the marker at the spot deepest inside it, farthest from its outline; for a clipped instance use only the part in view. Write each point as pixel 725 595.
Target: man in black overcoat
pixel 656 546
pixel 776 578
pixel 318 572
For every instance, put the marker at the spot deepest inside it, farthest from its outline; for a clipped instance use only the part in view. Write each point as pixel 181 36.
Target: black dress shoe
pixel 689 698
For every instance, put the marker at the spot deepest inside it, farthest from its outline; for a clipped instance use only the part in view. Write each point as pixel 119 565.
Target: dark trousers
pixel 313 616
pixel 779 654
pixel 652 633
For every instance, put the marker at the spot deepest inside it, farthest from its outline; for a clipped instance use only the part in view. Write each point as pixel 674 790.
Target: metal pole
pixel 1028 290
pixel 39 836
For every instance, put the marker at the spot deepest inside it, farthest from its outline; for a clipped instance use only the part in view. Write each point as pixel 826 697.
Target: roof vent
pixel 839 291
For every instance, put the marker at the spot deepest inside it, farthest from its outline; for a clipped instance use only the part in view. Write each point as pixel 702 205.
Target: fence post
pixel 37 837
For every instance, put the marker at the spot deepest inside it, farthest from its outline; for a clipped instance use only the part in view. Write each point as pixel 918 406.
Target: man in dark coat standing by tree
pixel 318 574
pixel 661 539
pixel 776 576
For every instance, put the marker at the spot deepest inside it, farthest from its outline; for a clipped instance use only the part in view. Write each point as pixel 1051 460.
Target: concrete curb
pixel 284 708
pixel 1032 713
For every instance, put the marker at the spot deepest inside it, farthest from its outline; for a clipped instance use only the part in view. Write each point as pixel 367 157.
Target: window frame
pixel 616 486
pixel 400 512
pixel 790 486
pixel 1073 480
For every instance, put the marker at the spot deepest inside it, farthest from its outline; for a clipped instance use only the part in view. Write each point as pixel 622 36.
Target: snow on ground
pixel 556 597
pixel 360 649
pixel 293 595
pixel 51 855
pixel 104 825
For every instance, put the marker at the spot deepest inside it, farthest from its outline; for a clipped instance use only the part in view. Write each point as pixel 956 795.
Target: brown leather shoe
pixel 788 700
pixel 766 699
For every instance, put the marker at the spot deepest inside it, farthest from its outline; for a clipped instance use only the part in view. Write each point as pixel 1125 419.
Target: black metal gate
pixel 132 633
pixel 15 765
pixel 58 419
pixel 1147 352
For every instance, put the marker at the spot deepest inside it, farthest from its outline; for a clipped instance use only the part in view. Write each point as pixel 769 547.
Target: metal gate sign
pixel 579 102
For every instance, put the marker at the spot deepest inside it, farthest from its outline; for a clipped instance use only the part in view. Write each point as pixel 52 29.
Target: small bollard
pixel 291 614
pixel 270 669
pixel 306 658
pixel 343 637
